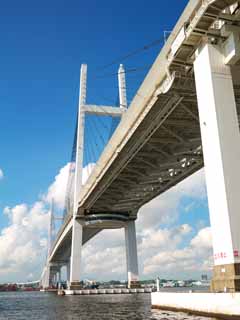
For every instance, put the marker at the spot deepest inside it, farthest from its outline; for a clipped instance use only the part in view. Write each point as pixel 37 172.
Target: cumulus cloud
pixel 1 174
pixel 23 244
pixel 203 239
pixel 57 189
pixel 161 253
pixel 164 209
pixel 194 258
pixel 162 250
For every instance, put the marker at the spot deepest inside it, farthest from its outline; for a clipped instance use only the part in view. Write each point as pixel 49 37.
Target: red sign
pixel 220 255
pixel 236 253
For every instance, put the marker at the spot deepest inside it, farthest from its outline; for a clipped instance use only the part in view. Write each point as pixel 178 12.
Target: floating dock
pixel 219 305
pixel 105 291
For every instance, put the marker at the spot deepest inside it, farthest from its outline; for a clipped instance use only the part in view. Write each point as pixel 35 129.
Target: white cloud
pixel 192 259
pixel 1 174
pixel 23 244
pixel 165 208
pixel 161 250
pixel 203 239
pixel 57 189
pixel 164 238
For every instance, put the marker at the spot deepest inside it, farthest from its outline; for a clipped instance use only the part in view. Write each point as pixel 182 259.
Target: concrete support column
pixel 60 275
pixel 46 278
pixel 54 279
pixel 68 271
pixel 221 149
pixel 131 254
pixel 76 252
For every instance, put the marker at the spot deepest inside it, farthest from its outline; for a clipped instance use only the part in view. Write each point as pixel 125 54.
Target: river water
pixel 49 306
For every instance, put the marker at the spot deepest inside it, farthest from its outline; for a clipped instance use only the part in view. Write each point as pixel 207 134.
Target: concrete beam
pixel 103 110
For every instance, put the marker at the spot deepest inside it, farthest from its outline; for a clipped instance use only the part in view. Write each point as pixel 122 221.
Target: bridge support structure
pixel 76 254
pixel 221 150
pixel 131 254
pixel 45 279
pixel 68 271
pixel 78 217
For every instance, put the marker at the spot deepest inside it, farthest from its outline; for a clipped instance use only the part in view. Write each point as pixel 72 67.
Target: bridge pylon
pixel 74 269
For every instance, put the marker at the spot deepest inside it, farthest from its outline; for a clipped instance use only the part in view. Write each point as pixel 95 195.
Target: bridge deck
pixel 157 143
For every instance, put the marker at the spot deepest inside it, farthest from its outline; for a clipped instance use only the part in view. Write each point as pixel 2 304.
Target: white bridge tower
pixel 74 267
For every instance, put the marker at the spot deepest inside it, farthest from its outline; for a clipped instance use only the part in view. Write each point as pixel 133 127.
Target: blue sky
pixel 42 47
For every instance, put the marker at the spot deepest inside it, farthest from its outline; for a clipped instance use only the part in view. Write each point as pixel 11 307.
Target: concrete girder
pixel 112 191
pixel 148 163
pixel 110 200
pixel 130 200
pixel 192 114
pixel 127 180
pixel 131 175
pixel 157 149
pixel 149 154
pixel 175 135
pixel 162 140
pixel 118 188
pixel 137 172
pixel 136 165
pixel 181 123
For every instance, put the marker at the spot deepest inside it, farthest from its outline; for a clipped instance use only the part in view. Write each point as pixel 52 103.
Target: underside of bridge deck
pixel 165 147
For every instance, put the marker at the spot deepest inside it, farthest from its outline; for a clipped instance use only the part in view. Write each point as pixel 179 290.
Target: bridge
pixel 186 110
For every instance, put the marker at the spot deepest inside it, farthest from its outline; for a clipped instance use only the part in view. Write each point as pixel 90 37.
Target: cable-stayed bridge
pixel 187 108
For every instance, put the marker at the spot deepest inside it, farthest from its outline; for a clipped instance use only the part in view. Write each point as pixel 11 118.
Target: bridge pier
pixel 68 270
pixel 59 276
pixel 221 149
pixel 45 283
pixel 131 254
pixel 76 254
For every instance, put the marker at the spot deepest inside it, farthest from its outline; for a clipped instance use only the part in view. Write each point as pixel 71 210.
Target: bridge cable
pixel 134 52
pixel 132 70
pixel 71 175
pixel 92 148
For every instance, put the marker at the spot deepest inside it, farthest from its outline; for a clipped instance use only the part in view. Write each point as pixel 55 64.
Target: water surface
pixel 41 305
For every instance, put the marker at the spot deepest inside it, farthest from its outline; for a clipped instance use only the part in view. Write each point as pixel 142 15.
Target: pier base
pixel 219 305
pixel 75 286
pixel 134 285
pixel 226 278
